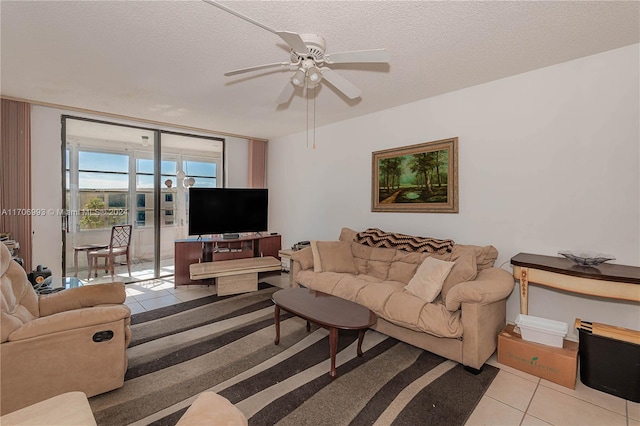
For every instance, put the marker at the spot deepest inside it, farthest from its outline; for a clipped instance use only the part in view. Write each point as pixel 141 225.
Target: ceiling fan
pixel 309 60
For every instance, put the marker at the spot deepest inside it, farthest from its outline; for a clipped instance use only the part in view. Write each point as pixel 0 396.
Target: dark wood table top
pixel 90 246
pixel 324 309
pixel 561 265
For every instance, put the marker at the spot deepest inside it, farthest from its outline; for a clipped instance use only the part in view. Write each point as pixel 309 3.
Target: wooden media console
pixel 201 250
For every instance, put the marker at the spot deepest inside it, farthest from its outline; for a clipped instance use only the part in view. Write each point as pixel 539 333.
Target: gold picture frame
pixel 420 178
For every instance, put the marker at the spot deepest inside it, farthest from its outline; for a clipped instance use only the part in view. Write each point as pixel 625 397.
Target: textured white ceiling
pixel 164 60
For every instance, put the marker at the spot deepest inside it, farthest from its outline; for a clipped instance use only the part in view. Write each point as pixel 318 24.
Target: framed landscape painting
pixel 416 178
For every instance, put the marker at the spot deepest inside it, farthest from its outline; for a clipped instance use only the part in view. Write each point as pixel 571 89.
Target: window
pixel 112 181
pixel 203 172
pixel 103 183
pixel 144 190
pixel 110 178
pixel 118 200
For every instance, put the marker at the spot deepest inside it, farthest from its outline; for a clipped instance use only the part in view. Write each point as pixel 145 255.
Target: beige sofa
pixel 461 324
pixel 73 340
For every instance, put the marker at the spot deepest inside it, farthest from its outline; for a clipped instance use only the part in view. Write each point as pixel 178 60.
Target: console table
pixel 607 280
pixel 236 275
pixel 193 250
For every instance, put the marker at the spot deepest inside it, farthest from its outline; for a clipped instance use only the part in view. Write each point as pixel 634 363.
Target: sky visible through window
pixel 100 170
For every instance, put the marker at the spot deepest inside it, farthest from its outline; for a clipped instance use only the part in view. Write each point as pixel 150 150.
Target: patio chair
pixel 118 246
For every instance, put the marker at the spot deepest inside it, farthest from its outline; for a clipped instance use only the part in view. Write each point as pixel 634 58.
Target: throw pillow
pixel 333 256
pixel 464 269
pixel 347 234
pixel 427 282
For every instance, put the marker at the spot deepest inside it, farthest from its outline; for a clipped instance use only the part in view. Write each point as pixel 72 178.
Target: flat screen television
pixel 227 210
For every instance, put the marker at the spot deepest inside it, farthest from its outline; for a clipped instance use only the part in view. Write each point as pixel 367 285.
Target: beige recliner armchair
pixel 73 340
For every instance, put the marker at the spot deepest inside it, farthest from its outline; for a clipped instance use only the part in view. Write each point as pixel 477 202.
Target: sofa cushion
pixel 485 256
pixel 373 261
pixel 375 295
pixel 427 282
pixel 19 299
pixel 349 286
pixel 405 264
pixel 406 310
pixel 388 300
pixel 327 284
pixel 333 256
pixel 304 257
pixel 347 234
pixel 464 269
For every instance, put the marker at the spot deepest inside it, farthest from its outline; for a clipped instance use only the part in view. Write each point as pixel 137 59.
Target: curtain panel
pixel 257 164
pixel 15 176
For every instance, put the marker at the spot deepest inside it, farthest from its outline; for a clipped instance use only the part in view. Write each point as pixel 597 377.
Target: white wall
pixel 548 160
pixel 236 163
pixel 46 179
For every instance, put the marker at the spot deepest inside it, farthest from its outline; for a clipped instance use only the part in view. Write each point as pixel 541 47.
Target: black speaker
pixel 38 275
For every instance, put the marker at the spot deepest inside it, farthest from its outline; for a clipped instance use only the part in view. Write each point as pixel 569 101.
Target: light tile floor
pixel 514 397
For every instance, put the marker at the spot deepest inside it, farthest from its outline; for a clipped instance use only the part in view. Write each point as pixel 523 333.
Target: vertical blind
pixel 15 157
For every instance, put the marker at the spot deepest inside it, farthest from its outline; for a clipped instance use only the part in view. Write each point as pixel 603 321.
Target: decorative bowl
pixel 586 258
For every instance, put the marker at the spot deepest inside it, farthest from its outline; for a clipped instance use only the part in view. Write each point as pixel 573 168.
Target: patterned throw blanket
pixel 376 238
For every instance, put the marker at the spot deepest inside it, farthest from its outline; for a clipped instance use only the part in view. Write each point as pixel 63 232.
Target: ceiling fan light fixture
pixel 298 78
pixel 314 75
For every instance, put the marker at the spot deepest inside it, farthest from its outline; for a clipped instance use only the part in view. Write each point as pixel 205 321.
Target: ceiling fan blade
pixel 286 93
pixel 340 83
pixel 374 55
pixel 256 68
pixel 238 14
pixel 294 41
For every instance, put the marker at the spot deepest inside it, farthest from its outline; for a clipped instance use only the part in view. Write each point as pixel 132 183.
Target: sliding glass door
pixel 126 175
pixel 194 161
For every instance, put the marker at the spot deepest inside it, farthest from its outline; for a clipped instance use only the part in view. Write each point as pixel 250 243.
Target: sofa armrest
pixel 67 408
pixel 491 285
pixel 481 322
pixel 71 320
pixel 82 297
pixel 212 409
pixel 301 260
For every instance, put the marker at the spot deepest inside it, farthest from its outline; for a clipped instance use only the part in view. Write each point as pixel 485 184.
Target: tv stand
pixel 211 249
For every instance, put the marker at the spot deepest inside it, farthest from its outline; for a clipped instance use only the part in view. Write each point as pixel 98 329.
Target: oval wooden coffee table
pixel 330 312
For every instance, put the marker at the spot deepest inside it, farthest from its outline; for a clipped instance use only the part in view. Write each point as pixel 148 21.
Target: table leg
pixel 96 265
pixel 360 339
pixel 75 262
pixel 308 326
pixel 524 291
pixel 277 320
pixel 88 266
pixel 333 349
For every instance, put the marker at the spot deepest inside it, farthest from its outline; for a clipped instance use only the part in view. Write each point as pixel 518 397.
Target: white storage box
pixel 542 330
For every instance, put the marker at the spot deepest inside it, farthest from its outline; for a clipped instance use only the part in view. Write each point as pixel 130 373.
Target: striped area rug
pixel 225 344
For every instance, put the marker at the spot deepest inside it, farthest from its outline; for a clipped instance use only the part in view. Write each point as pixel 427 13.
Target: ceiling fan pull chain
pixel 306 92
pixel 314 117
